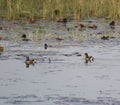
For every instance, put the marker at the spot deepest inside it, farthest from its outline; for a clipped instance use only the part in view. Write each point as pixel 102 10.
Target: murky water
pixel 67 80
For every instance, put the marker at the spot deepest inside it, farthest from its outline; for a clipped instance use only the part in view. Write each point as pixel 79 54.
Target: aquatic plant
pixel 72 9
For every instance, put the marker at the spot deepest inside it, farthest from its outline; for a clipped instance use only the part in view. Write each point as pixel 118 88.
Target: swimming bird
pixel 105 37
pixel 1 48
pixel 88 58
pixel 63 20
pixel 94 27
pixel 24 37
pixel 1 37
pixel 112 24
pixel 45 46
pixel 29 61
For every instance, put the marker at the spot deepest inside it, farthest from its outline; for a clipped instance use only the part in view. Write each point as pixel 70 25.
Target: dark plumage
pixel 45 46
pixel 105 37
pixel 82 26
pixel 64 21
pixel 24 36
pixel 112 24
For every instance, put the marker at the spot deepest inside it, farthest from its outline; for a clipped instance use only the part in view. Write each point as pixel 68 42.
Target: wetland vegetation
pixel 59 52
pixel 52 9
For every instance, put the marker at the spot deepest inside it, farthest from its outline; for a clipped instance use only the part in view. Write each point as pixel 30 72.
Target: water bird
pixel 64 21
pixel 29 61
pixel 82 26
pixel 31 21
pixel 1 48
pixel 105 37
pixel 112 24
pixel 1 37
pixel 94 27
pixel 59 39
pixel 24 37
pixel 1 27
pixel 45 46
pixel 88 58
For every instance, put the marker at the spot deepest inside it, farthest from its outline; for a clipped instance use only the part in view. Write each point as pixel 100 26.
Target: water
pixel 67 80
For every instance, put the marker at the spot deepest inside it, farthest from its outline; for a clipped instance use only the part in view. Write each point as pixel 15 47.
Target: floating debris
pixel 68 55
pixel 59 39
pixel 1 27
pixel 78 55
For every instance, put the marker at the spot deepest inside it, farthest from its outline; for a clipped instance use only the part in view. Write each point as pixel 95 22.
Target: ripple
pixel 22 99
pixel 4 97
pixel 22 102
pixel 103 77
pixel 59 100
pixel 26 96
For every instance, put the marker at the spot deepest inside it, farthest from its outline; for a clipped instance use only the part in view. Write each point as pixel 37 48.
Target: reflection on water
pixel 59 100
pixel 60 76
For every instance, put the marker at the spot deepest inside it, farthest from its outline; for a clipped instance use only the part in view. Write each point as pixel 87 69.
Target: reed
pixel 52 9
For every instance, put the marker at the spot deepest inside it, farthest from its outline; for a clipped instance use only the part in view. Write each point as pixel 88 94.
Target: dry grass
pixel 76 9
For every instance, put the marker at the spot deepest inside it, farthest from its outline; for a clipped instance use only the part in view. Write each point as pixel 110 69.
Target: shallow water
pixel 67 80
